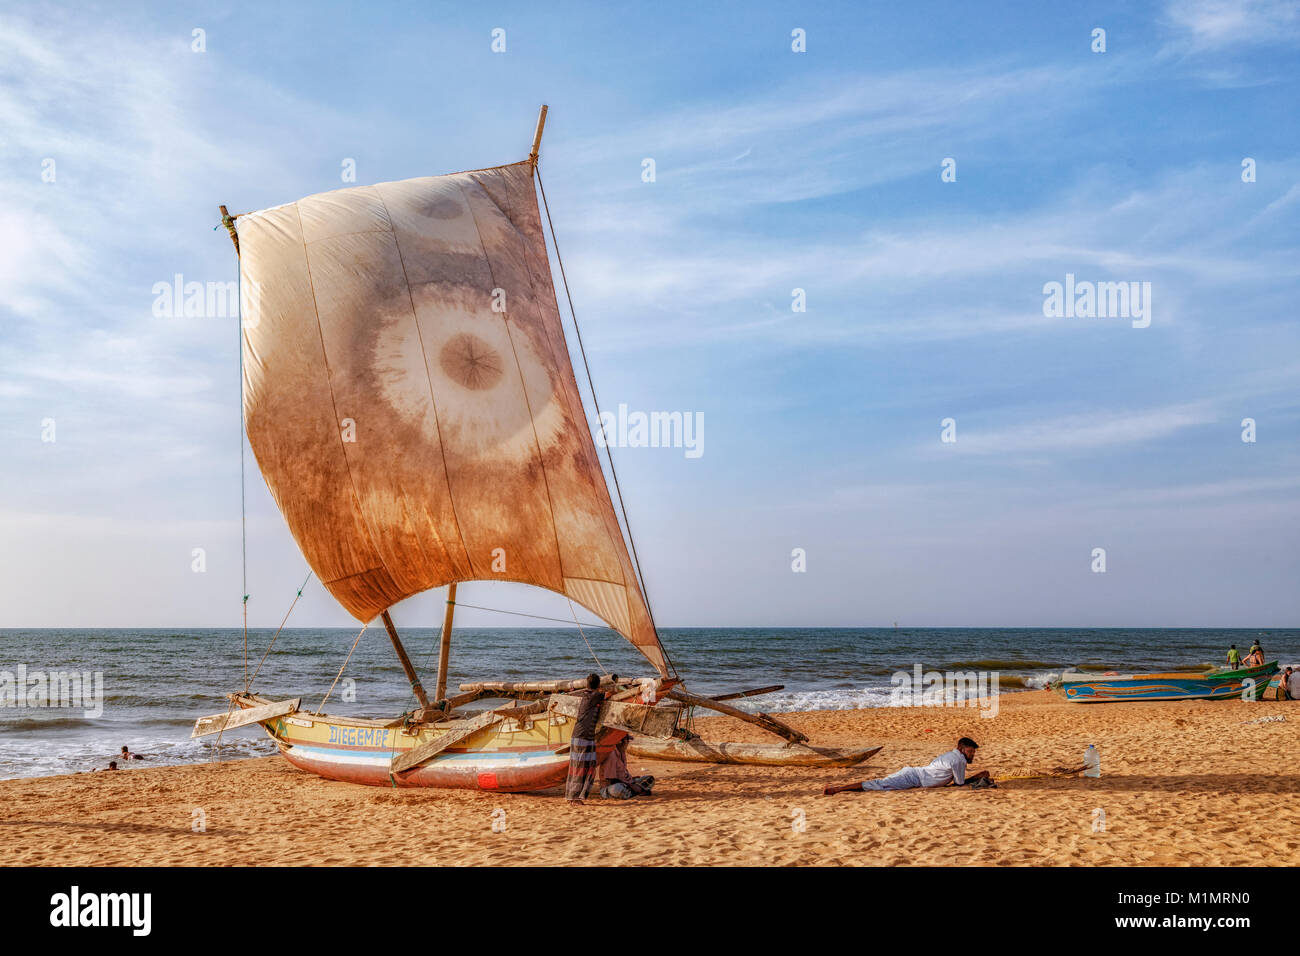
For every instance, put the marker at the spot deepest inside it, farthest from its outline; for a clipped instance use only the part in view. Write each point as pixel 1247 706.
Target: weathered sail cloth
pixel 411 403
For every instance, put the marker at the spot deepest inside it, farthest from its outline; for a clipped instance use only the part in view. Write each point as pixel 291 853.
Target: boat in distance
pixel 1247 683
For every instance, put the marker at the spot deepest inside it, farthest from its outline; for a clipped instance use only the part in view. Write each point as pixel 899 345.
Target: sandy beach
pixel 1182 784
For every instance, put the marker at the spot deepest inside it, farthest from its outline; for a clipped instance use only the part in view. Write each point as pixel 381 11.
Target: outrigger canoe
pixel 505 749
pixel 762 755
pixel 1247 683
pixel 424 314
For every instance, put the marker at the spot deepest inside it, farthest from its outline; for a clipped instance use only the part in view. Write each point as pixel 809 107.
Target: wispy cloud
pixel 1201 25
pixel 930 278
pixel 831 135
pixel 1084 432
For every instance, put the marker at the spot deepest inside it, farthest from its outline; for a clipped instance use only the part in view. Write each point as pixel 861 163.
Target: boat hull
pixel 510 757
pixel 1247 683
pixel 762 755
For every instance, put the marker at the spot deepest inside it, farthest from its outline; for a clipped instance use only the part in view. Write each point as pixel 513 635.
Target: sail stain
pixel 379 304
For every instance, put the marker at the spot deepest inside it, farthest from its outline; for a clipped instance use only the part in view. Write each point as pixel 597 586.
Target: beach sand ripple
pixel 1183 784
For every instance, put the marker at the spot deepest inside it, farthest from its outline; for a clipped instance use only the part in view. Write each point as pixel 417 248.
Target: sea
pixel 143 689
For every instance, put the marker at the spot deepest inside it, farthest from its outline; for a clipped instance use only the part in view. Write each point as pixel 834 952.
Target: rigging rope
pixel 645 594
pixel 222 732
pixel 584 638
pixel 243 504
pixel 437 637
pixel 540 617
pixel 248 685
pixel 341 669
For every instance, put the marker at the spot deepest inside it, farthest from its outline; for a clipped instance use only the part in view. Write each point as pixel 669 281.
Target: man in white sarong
pixel 943 770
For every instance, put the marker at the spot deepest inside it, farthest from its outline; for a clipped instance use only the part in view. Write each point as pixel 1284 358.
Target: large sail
pixel 410 400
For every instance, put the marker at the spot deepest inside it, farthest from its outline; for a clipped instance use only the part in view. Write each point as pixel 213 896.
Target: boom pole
pixel 537 137
pixel 444 651
pixel 416 686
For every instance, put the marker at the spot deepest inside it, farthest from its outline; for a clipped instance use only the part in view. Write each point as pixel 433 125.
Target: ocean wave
pixel 51 723
pixel 999 665
pixel 1020 682
pixel 85 755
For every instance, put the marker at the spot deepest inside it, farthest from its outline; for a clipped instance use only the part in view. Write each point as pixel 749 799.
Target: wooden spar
pixel 532 686
pixel 444 651
pixel 239 718
pixel 229 222
pixel 426 752
pixel 619 715
pixel 416 686
pixel 760 755
pixel 460 700
pixel 526 710
pixel 537 137
pixel 749 693
pixel 768 723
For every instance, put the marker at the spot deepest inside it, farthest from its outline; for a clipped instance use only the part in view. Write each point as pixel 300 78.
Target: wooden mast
pixel 228 221
pixel 416 686
pixel 444 651
pixel 537 136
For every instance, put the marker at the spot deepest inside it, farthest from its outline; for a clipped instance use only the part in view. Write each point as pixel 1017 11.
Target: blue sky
pixel 775 170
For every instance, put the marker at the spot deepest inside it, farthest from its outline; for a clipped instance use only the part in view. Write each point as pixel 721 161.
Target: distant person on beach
pixel 582 748
pixel 127 755
pixel 945 769
pixel 1290 685
pixel 1234 656
pixel 1255 657
pixel 616 781
pixel 112 765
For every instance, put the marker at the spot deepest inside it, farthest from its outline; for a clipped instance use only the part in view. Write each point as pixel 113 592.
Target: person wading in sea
pixel 582 750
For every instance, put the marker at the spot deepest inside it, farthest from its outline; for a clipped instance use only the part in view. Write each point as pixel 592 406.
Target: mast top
pixel 537 137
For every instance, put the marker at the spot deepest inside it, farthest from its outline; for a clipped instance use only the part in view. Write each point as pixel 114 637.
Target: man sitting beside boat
pixel 944 770
pixel 616 781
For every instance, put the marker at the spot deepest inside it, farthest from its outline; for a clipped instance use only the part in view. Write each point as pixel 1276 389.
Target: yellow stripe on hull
pixel 513 755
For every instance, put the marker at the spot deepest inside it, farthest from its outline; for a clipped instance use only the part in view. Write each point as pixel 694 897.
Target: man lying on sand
pixel 945 769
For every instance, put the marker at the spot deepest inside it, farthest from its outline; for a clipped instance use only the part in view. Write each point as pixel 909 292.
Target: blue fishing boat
pixel 1247 683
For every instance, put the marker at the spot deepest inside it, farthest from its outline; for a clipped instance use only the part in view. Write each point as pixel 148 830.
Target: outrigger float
pixel 409 398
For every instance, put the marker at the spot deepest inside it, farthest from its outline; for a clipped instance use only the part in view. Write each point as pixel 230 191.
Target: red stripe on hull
pixel 444 776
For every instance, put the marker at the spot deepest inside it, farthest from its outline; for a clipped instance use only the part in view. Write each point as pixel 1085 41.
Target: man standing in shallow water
pixel 943 770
